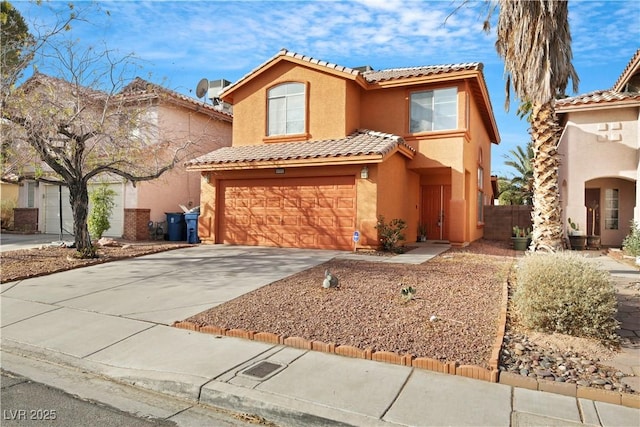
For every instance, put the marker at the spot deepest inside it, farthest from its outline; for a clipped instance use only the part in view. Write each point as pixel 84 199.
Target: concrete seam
pixel 246 362
pixel 395 398
pixel 35 315
pixel 11 287
pixel 580 410
pixel 118 341
pixel 597 413
pixel 512 406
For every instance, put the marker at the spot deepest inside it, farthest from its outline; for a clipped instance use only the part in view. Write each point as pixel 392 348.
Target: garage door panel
pixel 346 203
pixel 346 222
pixel 290 220
pixel 295 212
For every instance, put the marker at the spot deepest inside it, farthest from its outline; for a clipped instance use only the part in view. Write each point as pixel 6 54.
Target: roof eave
pixel 284 55
pixel 297 163
pixel 597 106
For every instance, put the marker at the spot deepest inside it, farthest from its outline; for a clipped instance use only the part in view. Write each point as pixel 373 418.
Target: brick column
pixel 136 222
pixel 25 219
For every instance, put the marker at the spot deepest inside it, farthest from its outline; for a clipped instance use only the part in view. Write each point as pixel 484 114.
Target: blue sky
pixel 181 42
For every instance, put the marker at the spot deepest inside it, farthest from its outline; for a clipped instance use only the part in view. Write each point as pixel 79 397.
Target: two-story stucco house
pixel 320 150
pixel 186 122
pixel 600 150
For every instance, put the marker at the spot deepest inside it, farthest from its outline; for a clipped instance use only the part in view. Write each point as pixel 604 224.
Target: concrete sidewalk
pixel 113 320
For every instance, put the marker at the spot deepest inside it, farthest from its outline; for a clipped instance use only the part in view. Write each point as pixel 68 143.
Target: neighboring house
pixel 321 150
pixel 185 120
pixel 8 201
pixel 600 155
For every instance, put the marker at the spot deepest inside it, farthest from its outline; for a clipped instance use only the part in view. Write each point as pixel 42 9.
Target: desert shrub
pixel 6 212
pixel 102 206
pixel 631 243
pixel 564 293
pixel 391 233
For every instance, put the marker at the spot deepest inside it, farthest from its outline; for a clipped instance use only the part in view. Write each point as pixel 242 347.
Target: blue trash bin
pixel 192 226
pixel 176 227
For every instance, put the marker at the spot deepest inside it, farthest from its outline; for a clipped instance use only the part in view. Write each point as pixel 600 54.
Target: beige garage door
pixel 51 205
pixel 293 212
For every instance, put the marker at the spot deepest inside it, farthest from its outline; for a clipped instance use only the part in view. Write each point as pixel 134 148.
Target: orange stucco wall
pixel 337 106
pixel 326 97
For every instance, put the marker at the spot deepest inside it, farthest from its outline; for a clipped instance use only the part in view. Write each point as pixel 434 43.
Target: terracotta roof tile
pixel 629 70
pixel 369 76
pixel 596 97
pixel 361 142
pixel 399 73
pixel 140 87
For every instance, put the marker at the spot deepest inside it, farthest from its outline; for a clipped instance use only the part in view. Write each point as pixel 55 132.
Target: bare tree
pixel 84 123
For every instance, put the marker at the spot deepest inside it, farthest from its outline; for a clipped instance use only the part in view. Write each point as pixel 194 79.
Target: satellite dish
pixel 202 88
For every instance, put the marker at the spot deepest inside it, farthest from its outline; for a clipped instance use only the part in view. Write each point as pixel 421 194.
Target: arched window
pixel 286 109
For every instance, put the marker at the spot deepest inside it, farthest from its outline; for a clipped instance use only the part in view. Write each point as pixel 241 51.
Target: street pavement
pixel 113 321
pixel 26 403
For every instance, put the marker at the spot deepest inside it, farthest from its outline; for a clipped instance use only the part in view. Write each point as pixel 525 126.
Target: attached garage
pixel 311 194
pixel 51 205
pixel 311 212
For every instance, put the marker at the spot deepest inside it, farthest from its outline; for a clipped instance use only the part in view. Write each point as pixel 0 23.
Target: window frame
pixel 611 213
pixel 287 97
pixel 432 111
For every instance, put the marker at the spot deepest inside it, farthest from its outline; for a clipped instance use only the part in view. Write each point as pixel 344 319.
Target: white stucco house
pixel 600 157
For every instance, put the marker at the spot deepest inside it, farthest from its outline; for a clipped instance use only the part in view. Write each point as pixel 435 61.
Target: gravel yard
pixel 463 291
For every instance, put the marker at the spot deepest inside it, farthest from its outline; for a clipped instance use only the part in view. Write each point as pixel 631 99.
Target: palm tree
pixel 534 40
pixel 521 184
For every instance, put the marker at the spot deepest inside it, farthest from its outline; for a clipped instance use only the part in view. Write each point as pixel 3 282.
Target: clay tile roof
pixel 399 73
pixel 140 88
pixel 630 69
pixel 596 97
pixel 361 142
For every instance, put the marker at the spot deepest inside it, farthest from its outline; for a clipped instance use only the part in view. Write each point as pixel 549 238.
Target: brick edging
pixel 471 371
pixel 493 374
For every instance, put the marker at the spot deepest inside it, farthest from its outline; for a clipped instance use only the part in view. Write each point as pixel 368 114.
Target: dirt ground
pixel 25 263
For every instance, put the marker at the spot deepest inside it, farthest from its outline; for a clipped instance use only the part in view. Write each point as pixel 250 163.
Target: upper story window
pixel 434 110
pixel 286 109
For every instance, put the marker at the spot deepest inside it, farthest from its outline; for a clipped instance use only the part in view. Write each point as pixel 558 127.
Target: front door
pixel 592 201
pixel 435 211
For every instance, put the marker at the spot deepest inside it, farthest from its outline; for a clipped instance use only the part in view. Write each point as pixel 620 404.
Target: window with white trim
pixel 286 109
pixel 611 200
pixel 434 110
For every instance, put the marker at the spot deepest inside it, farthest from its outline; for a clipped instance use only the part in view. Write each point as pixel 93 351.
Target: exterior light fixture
pixel 279 171
pixel 364 173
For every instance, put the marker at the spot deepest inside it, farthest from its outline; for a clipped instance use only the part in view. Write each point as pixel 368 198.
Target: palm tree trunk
pixel 546 215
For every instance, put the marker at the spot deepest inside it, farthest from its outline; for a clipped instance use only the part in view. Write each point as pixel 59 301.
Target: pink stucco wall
pixel 178 186
pixel 600 149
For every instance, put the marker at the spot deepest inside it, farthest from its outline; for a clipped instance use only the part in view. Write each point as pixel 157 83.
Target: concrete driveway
pixel 15 241
pixel 167 286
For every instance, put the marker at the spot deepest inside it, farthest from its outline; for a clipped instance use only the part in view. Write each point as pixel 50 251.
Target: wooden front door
pixel 591 197
pixel 435 211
